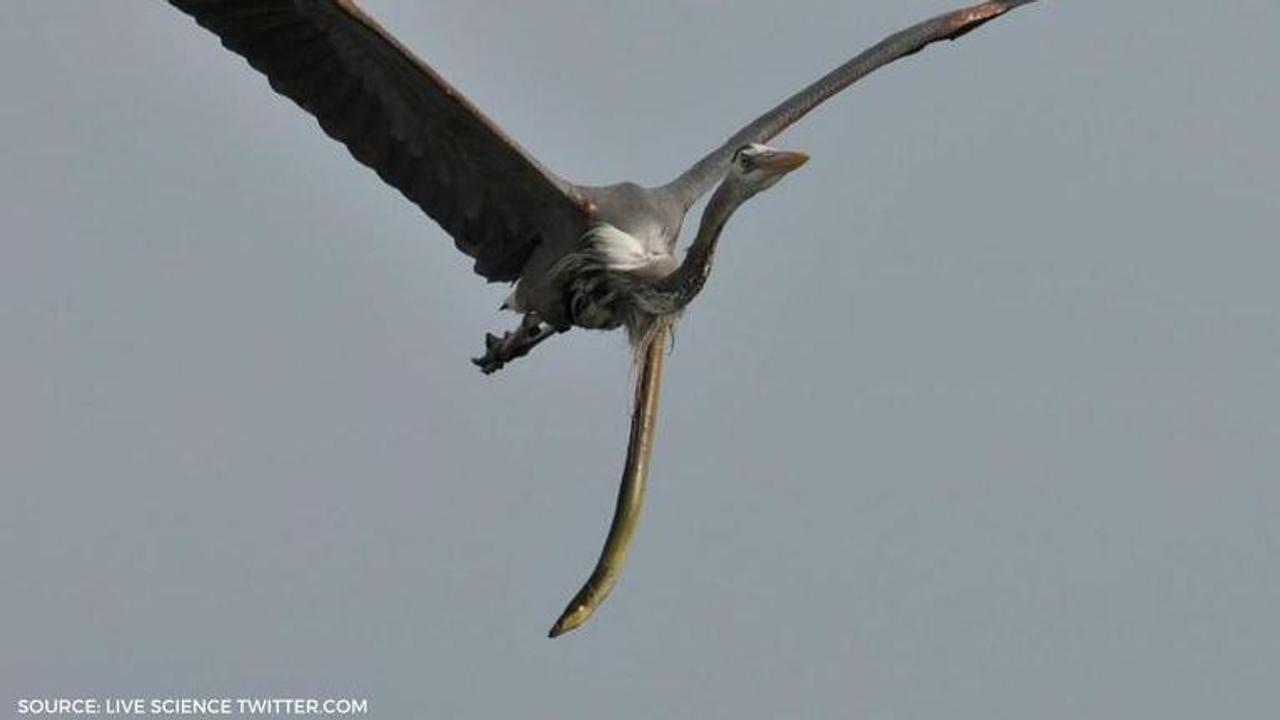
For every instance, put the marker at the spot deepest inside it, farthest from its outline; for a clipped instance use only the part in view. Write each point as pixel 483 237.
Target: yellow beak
pixel 781 161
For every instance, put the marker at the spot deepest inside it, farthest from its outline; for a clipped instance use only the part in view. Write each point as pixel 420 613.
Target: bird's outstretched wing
pixel 399 117
pixel 708 171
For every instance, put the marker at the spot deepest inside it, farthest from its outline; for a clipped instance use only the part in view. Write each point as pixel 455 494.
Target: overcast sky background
pixel 976 419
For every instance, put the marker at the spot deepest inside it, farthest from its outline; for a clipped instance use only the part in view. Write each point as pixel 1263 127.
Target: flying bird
pixel 597 257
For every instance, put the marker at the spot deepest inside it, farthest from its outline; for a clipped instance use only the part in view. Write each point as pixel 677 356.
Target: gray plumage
pixel 515 217
pixel 593 257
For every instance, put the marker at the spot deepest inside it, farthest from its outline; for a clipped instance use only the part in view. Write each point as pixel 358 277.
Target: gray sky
pixel 977 418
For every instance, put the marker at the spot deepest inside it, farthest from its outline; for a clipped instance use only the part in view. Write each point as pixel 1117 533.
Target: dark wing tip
pixel 397 116
pixel 972 18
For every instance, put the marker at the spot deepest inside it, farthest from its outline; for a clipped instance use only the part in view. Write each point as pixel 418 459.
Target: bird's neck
pixel 670 294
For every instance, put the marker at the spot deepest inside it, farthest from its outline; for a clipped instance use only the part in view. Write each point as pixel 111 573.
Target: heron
pixel 594 257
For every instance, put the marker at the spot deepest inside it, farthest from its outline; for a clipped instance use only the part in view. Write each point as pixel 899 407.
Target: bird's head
pixel 757 167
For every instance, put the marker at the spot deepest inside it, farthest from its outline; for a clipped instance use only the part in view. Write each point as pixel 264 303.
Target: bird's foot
pixel 513 344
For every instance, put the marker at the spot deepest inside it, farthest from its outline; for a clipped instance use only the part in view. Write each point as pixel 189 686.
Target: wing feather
pixel 708 171
pixel 399 117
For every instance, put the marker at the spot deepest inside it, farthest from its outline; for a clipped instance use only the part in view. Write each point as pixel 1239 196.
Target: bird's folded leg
pixel 513 344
